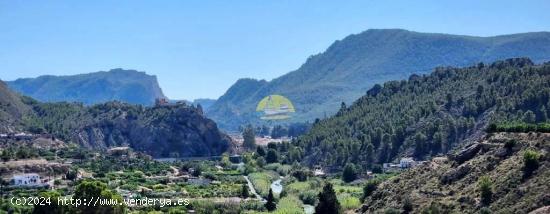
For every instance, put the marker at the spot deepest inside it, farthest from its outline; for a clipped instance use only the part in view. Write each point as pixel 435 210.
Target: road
pixel 252 190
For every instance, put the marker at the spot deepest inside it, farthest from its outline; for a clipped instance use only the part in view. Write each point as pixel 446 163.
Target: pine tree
pixel 244 191
pixel 272 156
pixel 249 141
pixel 270 204
pixel 328 203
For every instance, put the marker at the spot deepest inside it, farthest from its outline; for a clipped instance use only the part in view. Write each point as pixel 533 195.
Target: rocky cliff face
pixel 166 131
pixel 452 186
pixel 129 86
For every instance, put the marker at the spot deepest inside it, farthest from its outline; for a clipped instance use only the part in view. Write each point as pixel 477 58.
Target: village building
pixel 405 163
pixel 27 180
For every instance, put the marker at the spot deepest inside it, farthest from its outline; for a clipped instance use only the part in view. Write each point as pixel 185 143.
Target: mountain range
pixel 129 86
pixel 349 67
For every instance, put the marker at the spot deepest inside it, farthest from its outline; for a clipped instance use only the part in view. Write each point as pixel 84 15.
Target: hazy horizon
pixel 199 49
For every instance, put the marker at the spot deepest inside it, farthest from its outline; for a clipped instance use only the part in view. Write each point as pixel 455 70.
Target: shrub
pixel 369 188
pixel 509 145
pixel 272 156
pixel 71 174
pixel 407 206
pixel 350 173
pixel 391 211
pixel 349 202
pixel 308 197
pixel 301 174
pixel 432 209
pixel 210 175
pixel 289 205
pixel 530 161
pixel 485 187
pixel 484 210
pixel 377 168
pixel 252 205
pixel 284 170
pixel 244 191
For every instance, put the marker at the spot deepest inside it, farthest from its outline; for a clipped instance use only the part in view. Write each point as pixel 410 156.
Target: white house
pixel 406 163
pixel 319 172
pixel 31 179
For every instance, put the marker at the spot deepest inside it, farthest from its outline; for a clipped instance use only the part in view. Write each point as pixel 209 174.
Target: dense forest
pixel 428 115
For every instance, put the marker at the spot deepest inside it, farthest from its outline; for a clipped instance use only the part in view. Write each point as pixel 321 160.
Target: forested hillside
pixel 354 64
pixel 161 131
pixel 12 109
pixel 117 84
pixel 429 115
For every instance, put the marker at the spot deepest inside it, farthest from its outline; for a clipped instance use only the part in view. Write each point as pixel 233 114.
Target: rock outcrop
pixel 166 131
pixel 453 187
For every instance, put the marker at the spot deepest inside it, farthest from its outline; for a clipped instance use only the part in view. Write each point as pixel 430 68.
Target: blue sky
pixel 199 48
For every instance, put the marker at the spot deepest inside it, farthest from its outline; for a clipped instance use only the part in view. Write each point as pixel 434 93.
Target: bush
pixel 71 174
pixel 272 156
pixel 369 188
pixel 531 162
pixel 244 191
pixel 308 197
pixel 284 170
pixel 350 173
pixel 289 205
pixel 301 174
pixel 210 175
pixel 485 187
pixel 484 210
pixel 391 211
pixel 509 145
pixel 252 205
pixel 377 168
pixel 349 202
pixel 407 206
pixel 272 166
